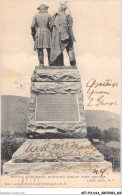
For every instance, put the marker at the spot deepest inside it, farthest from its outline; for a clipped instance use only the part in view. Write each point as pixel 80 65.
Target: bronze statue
pixel 41 32
pixel 62 37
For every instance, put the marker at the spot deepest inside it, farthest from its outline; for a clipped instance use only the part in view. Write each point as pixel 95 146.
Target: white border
pixel 33 191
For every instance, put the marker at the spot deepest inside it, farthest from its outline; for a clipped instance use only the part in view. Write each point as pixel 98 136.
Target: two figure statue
pixel 53 34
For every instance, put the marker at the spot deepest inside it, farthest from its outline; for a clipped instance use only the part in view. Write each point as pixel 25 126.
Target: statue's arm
pixel 50 22
pixel 70 21
pixel 53 19
pixel 70 25
pixel 33 25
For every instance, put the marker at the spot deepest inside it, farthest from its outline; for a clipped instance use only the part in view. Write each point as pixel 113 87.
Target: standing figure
pixel 62 37
pixel 41 32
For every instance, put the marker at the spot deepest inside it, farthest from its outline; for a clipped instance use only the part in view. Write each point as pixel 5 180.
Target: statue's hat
pixel 63 6
pixel 43 6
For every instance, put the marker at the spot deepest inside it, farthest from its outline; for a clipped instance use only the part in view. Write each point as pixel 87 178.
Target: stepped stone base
pixel 76 150
pixel 37 156
pixel 11 168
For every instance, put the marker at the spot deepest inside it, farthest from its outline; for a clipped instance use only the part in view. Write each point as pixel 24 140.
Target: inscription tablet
pixel 56 108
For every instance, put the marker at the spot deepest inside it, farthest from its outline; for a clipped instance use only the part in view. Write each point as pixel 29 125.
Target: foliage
pixel 10 143
pixel 108 135
pixel 110 151
pixel 94 133
pixel 111 154
pixel 111 134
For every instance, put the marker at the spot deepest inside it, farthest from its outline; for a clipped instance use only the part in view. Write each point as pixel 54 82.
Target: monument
pixel 56 130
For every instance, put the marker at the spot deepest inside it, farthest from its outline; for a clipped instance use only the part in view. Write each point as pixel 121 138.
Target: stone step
pixel 95 168
pixel 55 74
pixel 55 150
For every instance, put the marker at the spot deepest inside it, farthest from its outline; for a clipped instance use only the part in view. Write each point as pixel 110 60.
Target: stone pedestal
pixel 56 128
pixel 56 104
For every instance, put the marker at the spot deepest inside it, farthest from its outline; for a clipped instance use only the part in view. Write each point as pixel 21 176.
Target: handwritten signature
pixel 54 146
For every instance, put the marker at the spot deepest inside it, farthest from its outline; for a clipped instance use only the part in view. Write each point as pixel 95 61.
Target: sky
pixel 97 32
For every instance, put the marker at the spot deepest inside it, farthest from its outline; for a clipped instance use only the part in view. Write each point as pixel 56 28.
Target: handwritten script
pixel 98 92
pixel 95 168
pixel 55 150
pixel 65 155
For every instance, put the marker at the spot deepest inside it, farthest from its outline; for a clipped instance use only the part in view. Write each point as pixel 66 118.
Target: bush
pixel 111 134
pixel 9 144
pixel 94 133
